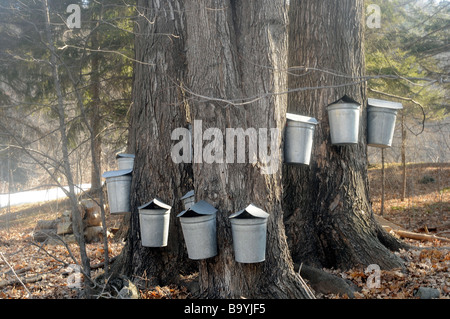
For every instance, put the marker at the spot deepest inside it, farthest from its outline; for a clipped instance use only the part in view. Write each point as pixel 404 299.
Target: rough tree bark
pixel 329 220
pixel 237 50
pixel 158 108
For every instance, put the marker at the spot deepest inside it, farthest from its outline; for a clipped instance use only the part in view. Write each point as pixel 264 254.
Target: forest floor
pixel 45 270
pixel 425 211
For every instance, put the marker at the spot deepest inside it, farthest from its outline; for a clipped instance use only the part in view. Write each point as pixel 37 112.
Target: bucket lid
pixel 199 208
pixel 188 194
pixel 301 118
pixel 385 104
pixel 251 211
pixel 344 100
pixel 155 204
pixel 121 155
pixel 120 172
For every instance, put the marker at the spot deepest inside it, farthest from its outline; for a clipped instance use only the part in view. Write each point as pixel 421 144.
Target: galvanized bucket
pixel 298 138
pixel 154 219
pixel 344 122
pixel 188 199
pixel 199 230
pixel 249 228
pixel 125 161
pixel 381 116
pixel 118 185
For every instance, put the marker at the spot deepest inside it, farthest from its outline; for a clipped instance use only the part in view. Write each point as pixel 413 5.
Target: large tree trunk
pixel 238 50
pixel 158 109
pixel 329 220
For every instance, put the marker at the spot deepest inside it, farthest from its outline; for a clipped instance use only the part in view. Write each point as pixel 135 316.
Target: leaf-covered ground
pixel 425 210
pixel 46 273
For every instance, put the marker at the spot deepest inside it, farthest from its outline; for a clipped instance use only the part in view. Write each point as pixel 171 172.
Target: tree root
pixel 326 283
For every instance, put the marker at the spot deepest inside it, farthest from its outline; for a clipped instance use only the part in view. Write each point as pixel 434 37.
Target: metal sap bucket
pixel 249 228
pixel 118 185
pixel 188 199
pixel 154 219
pixel 381 116
pixel 199 230
pixel 125 161
pixel 298 138
pixel 343 117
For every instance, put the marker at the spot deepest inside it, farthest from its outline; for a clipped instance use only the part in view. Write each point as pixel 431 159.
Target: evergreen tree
pixel 95 67
pixel 403 55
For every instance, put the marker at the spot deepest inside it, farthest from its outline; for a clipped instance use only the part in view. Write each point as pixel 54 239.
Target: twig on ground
pixel 15 274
